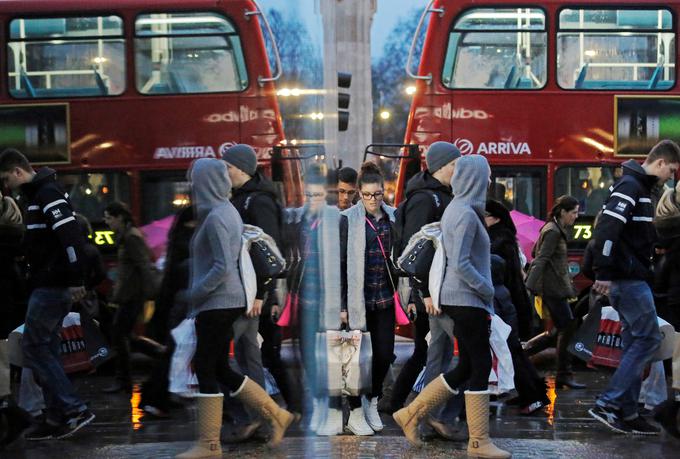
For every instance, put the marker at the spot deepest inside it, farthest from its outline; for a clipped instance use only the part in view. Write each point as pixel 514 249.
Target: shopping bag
pixel 97 347
pixel 74 356
pixel 329 361
pixel 4 368
pixel 582 343
pixel 182 378
pixel 608 347
pixel 502 375
pixel 357 356
pixel 290 311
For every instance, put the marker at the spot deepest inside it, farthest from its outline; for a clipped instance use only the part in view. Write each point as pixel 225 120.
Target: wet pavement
pixel 563 430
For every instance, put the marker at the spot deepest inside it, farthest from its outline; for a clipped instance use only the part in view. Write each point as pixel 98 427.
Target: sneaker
pixel 610 418
pixel 75 423
pixel 357 423
pixel 640 426
pixel 370 408
pixel 531 408
pixel 42 431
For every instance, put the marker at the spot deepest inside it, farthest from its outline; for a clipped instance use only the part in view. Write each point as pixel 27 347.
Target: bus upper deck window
pixel 497 48
pixel 180 53
pixel 66 57
pixel 610 49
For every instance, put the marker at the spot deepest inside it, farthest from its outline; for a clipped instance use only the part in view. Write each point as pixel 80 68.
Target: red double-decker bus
pixel 556 94
pixel 121 96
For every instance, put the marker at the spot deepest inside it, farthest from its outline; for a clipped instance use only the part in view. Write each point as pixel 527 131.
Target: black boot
pixel 666 414
pixel 565 376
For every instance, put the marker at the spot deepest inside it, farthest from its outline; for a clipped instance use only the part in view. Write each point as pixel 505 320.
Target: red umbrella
pixel 528 230
pixel 156 234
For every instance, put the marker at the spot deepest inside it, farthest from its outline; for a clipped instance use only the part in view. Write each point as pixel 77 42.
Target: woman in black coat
pixel 503 236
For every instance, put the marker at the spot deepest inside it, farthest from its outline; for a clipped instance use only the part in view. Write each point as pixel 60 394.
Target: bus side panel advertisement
pixel 642 121
pixel 38 131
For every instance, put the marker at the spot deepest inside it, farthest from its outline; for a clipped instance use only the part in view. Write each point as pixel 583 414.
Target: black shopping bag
pixel 583 342
pixel 95 343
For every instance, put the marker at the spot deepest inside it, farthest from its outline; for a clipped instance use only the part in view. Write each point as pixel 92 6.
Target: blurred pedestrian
pixel 549 278
pixel 53 245
pixel 624 240
pixel 467 297
pixel 218 298
pixel 130 292
pixel 316 282
pixel 369 282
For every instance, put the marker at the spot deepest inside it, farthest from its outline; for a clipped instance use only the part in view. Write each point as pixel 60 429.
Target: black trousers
pixel 471 328
pixel 414 365
pixel 211 361
pixel 123 323
pixel 380 324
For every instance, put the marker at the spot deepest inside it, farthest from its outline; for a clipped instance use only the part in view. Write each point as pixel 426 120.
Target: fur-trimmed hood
pixel 667 221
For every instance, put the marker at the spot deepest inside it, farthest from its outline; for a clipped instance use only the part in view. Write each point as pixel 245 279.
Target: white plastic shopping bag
pixel 183 380
pixel 502 376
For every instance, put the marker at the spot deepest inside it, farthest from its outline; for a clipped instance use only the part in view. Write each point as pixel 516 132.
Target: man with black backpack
pixel 255 199
pixel 427 195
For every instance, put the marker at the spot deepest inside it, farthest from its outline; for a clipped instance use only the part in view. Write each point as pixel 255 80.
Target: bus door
pixel 393 158
pixel 520 188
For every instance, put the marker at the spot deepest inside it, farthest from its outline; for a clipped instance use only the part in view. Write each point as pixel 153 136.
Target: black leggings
pixel 471 328
pixel 380 323
pixel 213 334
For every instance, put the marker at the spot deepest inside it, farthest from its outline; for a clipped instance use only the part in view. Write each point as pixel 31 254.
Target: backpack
pixel 399 244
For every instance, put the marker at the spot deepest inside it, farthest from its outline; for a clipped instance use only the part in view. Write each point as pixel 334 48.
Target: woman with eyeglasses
pixel 369 284
pixel 314 284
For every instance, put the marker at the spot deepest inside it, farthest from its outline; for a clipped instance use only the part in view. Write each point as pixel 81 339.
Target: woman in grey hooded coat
pixel 467 297
pixel 217 296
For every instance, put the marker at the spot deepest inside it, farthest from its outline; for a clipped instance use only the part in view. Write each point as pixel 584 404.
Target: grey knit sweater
pixel 216 244
pixel 467 278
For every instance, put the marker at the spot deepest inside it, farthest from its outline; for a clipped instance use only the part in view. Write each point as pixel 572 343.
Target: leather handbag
pixel 265 262
pixel 418 260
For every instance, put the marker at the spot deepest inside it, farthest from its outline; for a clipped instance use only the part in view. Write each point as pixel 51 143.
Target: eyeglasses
pixel 376 195
pixel 347 192
pixel 318 194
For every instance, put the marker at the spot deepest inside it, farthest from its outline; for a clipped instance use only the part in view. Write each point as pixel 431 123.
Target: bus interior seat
pixel 581 76
pixel 100 81
pixel 524 83
pixel 26 82
pixel 511 79
pixel 654 80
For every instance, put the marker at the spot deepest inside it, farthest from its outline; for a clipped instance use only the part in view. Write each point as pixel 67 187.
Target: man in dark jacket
pixel 255 199
pixel 427 195
pixel 624 239
pixel 53 248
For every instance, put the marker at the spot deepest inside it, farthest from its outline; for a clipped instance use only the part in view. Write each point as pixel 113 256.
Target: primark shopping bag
pixel 74 356
pixel 608 346
pixel 182 378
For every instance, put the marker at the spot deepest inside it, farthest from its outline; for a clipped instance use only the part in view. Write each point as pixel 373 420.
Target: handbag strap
pixel 382 250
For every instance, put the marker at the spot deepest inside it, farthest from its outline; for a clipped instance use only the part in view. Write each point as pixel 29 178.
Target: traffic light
pixel 344 82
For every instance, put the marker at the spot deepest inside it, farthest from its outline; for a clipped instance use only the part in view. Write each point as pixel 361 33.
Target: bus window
pixel 164 194
pixel 497 48
pixel 188 53
pixel 90 193
pixel 522 190
pixel 616 49
pixel 66 57
pixel 590 185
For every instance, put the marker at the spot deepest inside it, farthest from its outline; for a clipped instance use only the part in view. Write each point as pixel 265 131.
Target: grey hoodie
pixel 216 244
pixel 467 278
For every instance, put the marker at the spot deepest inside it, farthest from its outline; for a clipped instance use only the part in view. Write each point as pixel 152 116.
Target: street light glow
pixel 316 116
pixel 384 114
pixel 410 90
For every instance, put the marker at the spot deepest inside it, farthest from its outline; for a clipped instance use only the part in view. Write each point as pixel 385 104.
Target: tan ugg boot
pixel 438 391
pixel 477 412
pixel 257 398
pixel 209 426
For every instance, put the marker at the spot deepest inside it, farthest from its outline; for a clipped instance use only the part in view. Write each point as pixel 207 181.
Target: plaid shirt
pixel 378 292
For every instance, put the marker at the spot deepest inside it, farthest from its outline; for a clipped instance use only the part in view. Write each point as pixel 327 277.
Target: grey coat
pixel 549 272
pixel 355 260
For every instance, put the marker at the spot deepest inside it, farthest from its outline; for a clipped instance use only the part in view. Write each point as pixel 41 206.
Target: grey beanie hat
pixel 241 156
pixel 439 155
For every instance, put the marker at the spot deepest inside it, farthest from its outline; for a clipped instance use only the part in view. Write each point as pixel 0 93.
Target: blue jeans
pixel 41 344
pixel 439 360
pixel 640 338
